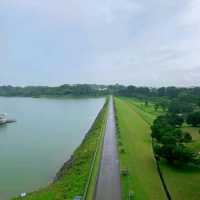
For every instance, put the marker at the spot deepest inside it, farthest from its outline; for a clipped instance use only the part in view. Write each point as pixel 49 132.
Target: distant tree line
pixel 188 95
pixel 184 94
pixel 63 90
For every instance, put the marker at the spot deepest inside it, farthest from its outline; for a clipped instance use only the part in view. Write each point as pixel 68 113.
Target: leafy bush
pixel 176 154
pixel 175 120
pixel 194 119
pixel 169 140
pixel 178 107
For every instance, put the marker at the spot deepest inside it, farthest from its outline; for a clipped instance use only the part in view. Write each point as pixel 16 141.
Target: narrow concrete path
pixel 108 183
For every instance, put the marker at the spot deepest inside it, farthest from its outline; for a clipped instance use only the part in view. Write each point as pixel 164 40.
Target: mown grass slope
pixel 181 183
pixel 73 177
pixel 136 154
pixel 148 113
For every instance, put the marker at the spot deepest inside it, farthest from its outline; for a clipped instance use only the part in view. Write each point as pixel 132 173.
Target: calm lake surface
pixel 46 133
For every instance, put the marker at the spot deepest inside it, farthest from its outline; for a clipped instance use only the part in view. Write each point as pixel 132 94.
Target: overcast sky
pixel 140 42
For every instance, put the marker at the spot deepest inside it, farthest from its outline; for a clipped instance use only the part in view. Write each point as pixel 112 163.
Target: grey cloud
pixel 146 42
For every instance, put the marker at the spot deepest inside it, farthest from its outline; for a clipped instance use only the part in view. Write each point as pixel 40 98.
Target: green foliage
pixel 194 119
pixel 163 103
pixel 160 127
pixel 146 103
pixel 183 94
pixel 156 106
pixel 165 125
pixel 175 120
pixel 187 137
pixel 170 140
pixel 198 103
pixel 178 107
pixel 63 90
pixel 175 153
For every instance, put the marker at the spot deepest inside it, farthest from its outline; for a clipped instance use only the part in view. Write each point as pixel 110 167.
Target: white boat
pixel 23 194
pixel 3 118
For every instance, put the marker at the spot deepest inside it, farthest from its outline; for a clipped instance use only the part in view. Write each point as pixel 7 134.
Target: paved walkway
pixel 108 183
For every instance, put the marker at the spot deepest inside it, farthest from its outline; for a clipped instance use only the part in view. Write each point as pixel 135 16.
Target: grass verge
pixel 136 155
pixel 72 179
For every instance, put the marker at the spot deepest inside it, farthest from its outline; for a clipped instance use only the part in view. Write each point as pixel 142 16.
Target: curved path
pixel 108 183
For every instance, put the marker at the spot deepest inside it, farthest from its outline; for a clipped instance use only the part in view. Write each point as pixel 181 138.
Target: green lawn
pixel 148 109
pixel 146 112
pixel 183 184
pixel 195 144
pixel 134 138
pixel 73 177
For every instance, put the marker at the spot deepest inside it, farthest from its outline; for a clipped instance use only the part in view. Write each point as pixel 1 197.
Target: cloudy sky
pixel 141 42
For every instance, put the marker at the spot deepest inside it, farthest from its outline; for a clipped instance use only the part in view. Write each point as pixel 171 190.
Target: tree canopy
pixel 169 141
pixel 194 119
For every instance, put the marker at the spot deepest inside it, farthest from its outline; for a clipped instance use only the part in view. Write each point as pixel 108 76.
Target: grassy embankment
pixel 136 155
pixel 182 183
pixel 78 175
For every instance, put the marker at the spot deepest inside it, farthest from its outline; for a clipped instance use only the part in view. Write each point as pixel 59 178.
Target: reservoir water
pixel 46 133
